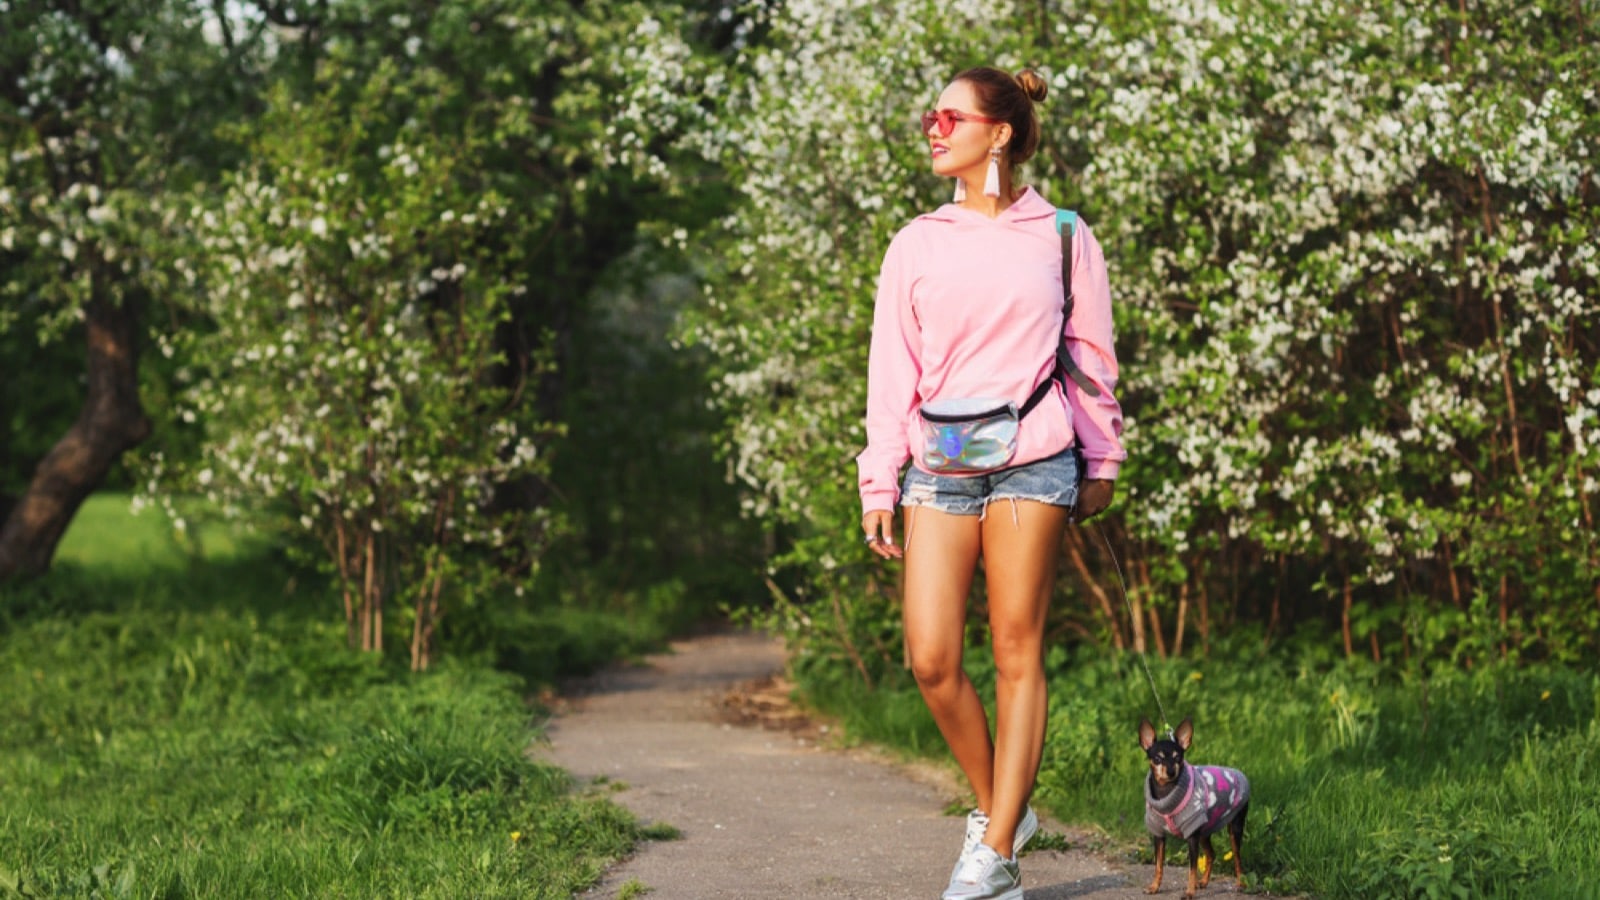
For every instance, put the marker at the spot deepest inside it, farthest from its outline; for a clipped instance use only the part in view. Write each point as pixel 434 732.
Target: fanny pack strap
pixel 1038 394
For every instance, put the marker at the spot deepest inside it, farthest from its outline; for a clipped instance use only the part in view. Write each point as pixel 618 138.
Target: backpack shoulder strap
pixel 1066 366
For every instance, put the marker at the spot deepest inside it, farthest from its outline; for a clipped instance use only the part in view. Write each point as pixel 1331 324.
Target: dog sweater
pixel 1205 799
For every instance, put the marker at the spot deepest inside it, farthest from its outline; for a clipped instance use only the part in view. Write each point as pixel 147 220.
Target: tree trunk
pixel 1136 616
pixel 1344 621
pixel 1155 630
pixel 1073 546
pixel 1183 618
pixel 111 422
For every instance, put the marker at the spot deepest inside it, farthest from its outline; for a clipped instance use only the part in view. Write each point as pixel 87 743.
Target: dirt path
pixel 770 815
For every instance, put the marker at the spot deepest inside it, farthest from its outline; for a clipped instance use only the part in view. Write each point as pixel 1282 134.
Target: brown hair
pixel 1010 97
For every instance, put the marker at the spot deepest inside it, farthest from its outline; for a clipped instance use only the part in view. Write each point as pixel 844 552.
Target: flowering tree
pixel 104 108
pixel 1363 260
pixel 351 376
pixel 1355 274
pixel 365 283
pixel 390 292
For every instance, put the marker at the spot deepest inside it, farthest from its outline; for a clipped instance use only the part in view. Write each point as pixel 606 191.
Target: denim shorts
pixel 1052 480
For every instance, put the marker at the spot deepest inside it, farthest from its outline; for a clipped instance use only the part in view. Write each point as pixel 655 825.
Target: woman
pixel 969 305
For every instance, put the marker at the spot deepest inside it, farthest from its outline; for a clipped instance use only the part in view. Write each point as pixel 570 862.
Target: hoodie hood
pixel 1026 208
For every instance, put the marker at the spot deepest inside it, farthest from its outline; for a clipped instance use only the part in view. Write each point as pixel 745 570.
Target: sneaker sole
pixel 1013 894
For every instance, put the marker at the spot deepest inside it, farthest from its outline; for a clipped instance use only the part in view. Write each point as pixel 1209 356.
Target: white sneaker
pixel 985 876
pixel 978 823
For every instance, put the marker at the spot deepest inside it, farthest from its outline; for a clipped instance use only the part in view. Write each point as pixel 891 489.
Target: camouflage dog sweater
pixel 1205 799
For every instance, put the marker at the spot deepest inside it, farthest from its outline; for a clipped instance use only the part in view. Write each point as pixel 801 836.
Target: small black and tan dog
pixel 1191 802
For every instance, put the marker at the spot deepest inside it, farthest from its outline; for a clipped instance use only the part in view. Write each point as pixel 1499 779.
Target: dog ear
pixel 1147 733
pixel 1185 734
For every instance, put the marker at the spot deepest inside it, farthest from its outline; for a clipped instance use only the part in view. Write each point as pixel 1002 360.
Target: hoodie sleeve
pixel 893 372
pixel 1097 421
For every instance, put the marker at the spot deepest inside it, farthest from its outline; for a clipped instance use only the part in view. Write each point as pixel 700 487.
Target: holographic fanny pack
pixel 966 437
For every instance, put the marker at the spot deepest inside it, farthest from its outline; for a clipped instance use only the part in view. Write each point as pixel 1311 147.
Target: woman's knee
pixel 1018 653
pixel 935 669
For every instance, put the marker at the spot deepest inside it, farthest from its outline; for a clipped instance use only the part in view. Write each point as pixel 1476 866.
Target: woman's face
pixel 967 145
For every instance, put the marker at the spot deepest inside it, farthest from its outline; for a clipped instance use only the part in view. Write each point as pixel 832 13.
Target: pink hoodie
pixel 970 306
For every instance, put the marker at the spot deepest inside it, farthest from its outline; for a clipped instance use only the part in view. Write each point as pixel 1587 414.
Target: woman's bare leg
pixel 941 555
pixel 1020 547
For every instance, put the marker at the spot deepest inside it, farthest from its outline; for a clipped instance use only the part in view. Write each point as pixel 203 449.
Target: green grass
pixel 1365 783
pixel 633 889
pixel 181 720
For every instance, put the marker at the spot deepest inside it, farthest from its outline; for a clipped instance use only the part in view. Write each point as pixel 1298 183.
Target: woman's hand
pixel 1093 498
pixel 879 528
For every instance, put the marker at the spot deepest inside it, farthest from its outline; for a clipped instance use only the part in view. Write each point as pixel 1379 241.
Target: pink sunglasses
pixel 946 119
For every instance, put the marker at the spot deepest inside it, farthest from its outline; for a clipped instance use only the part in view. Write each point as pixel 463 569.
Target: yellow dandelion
pixel 1204 865
pixel 516 836
pixel 1227 856
pixel 1545 696
pixel 1196 676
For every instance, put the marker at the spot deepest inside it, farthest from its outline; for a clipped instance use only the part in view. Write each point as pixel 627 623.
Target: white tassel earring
pixel 991 180
pixel 961 191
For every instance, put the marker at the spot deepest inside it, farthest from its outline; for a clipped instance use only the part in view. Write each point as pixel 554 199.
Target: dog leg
pixel 1236 837
pixel 1159 845
pixel 1208 857
pixel 1194 867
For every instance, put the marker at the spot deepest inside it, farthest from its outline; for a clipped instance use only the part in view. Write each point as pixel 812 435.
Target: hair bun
pixel 1032 85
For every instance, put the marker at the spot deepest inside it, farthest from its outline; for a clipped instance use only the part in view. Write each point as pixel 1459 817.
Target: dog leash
pixel 1127 604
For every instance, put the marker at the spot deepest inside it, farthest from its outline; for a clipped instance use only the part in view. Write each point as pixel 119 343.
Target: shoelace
pixel 977 824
